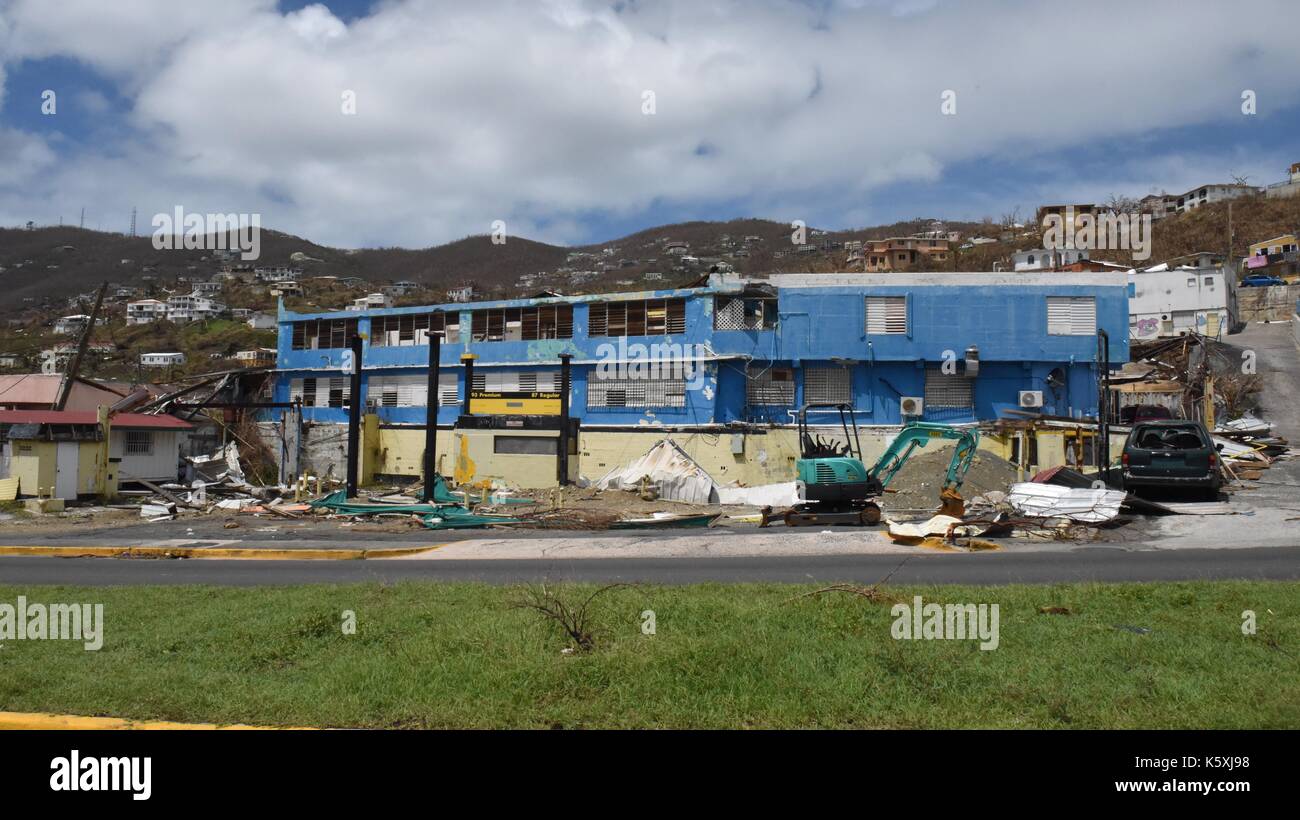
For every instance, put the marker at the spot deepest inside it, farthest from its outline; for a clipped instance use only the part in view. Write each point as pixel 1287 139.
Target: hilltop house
pixel 1287 187
pixel 145 311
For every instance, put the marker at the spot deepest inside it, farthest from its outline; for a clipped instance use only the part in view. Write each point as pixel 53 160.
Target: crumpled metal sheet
pixel 1075 503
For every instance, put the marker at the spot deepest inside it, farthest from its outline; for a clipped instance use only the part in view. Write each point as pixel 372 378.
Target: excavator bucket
pixel 951 503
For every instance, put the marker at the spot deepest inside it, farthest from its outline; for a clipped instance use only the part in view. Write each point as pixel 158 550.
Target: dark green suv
pixel 1172 455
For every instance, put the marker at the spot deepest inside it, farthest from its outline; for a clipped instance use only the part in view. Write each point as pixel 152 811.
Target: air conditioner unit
pixel 1031 398
pixel 911 405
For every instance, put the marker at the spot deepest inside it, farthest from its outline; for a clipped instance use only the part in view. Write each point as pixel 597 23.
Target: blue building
pixel 733 354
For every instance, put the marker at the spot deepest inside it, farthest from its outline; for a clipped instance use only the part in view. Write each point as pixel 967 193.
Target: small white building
pixel 1047 258
pixel 1207 194
pixel 371 301
pixel 71 324
pixel 161 359
pixel 1165 302
pixel 207 288
pixel 262 321
pixel 461 294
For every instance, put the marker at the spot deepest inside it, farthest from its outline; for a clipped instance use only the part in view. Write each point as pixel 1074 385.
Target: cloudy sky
pixel 535 112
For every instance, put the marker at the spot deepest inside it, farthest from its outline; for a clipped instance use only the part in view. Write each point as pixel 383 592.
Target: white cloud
pixel 531 111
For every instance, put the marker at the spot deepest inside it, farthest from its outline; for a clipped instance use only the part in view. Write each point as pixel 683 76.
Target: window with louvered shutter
pixel 886 315
pixel 636 393
pixel 948 390
pixel 1071 316
pixel 827 385
pixel 773 386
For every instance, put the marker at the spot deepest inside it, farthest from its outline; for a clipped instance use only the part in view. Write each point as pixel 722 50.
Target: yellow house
pixel 63 454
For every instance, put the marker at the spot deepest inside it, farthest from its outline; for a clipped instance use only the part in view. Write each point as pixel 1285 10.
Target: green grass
pixel 458 655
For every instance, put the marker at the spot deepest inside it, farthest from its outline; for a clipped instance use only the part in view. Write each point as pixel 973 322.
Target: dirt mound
pixel 921 478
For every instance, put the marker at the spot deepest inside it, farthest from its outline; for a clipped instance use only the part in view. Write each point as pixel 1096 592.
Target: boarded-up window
pixel 636 393
pixel 1071 316
pixel 523 324
pixel 948 390
pixel 886 315
pixel 772 386
pixel 827 385
pixel 526 445
pixel 649 317
pixel 413 329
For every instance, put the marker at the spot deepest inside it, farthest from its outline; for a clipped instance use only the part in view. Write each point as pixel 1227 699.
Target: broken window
pixel 323 334
pixel 526 324
pixel 413 329
pixel 732 313
pixel 648 317
pixel 313 392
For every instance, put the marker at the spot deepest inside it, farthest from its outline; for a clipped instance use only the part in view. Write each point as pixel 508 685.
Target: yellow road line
pixel 19 721
pixel 276 554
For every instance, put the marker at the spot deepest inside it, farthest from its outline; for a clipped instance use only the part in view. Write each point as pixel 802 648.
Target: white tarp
pixel 666 467
pixel 1053 501
pixel 764 495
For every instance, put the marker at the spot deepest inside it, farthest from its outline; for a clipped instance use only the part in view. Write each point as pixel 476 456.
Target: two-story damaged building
pixel 722 368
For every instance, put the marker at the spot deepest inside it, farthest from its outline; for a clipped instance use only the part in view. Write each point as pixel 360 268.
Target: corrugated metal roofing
pixel 137 421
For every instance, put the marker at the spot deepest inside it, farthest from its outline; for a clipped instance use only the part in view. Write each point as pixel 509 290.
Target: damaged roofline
pixel 285 315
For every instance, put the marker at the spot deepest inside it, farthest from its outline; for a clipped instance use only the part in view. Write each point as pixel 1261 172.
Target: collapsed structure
pixel 720 367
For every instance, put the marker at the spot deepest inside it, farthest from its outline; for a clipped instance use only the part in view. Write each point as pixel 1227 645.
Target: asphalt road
pixel 1088 564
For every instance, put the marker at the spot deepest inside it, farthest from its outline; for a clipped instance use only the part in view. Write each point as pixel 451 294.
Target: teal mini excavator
pixel 835 486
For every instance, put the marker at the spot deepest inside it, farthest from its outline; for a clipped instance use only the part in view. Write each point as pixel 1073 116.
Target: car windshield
pixel 1180 437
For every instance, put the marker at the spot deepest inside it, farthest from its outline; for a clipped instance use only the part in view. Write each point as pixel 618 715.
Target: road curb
pixel 40 721
pixel 266 554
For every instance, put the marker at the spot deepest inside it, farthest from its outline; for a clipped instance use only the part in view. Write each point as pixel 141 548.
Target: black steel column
pixel 1103 403
pixel 354 417
pixel 562 451
pixel 431 417
pixel 468 361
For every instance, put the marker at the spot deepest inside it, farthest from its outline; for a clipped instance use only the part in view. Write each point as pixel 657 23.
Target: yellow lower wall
pixel 467 455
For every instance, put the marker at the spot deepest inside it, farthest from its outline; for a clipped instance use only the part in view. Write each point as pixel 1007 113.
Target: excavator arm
pixel 919 434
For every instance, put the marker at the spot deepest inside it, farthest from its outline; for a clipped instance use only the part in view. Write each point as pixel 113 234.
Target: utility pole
pixel 65 386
